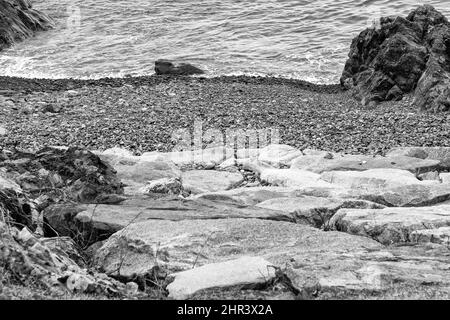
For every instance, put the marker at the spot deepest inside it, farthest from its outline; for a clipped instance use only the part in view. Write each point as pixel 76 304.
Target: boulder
pixel 441 154
pixel 137 174
pixel 292 178
pixel 439 235
pixel 245 272
pixel 445 177
pixel 252 165
pixel 19 21
pixel 319 164
pixel 142 248
pixel 315 211
pixel 278 155
pixel 374 179
pixel 309 261
pixel 429 176
pixel 202 181
pixel 199 159
pixel 381 272
pixel 413 195
pixel 25 257
pixel 390 225
pixel 97 222
pixel 170 186
pixel 166 67
pixel 250 195
pixel 404 55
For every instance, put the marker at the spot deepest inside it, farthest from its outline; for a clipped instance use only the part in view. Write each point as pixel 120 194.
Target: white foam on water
pixel 298 39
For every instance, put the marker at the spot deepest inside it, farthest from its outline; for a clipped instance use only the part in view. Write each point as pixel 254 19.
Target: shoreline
pixel 45 84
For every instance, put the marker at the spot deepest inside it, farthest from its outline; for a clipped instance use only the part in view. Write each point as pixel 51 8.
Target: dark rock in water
pixel 404 55
pixel 166 67
pixel 19 21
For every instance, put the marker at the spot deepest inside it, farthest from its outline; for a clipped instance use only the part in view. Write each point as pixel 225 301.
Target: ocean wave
pixel 299 39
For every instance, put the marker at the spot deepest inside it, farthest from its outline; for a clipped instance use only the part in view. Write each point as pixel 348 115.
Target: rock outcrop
pixel 19 21
pixel 391 225
pixel 404 55
pixel 291 233
pixel 72 173
pixel 28 257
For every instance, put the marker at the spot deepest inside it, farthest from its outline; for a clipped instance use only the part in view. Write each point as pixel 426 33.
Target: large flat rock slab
pixel 316 211
pixel 441 154
pixel 201 181
pixel 179 245
pixel 329 162
pixel 385 272
pixel 278 155
pixel 250 195
pixel 371 179
pixel 200 158
pixel 135 175
pixel 413 195
pixel 245 271
pixel 312 260
pixel 107 219
pixel 292 178
pixel 439 235
pixel 390 225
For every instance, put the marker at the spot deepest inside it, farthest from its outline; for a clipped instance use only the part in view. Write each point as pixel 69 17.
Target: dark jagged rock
pixel 18 21
pixel 73 174
pixel 404 55
pixel 166 67
pixel 54 264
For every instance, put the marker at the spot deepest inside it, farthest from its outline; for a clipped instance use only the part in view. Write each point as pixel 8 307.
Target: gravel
pixel 141 114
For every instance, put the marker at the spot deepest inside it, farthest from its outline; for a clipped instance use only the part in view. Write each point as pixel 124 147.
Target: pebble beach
pixel 141 114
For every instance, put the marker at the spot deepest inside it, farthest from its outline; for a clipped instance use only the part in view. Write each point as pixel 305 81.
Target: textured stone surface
pixel 278 155
pixel 403 55
pixel 107 219
pixel 371 179
pixel 245 272
pixel 390 225
pixel 439 235
pixel 322 163
pixel 18 21
pixel 250 195
pixel 441 154
pixel 292 178
pixel 315 211
pixel 201 181
pixel 178 246
pixel 166 67
pixel 413 195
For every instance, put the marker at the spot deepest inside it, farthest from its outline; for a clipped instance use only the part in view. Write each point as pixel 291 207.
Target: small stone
pixel 132 288
pixel 165 186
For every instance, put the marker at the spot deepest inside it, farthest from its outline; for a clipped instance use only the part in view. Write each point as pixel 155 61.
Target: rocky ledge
pixel 403 55
pixel 19 21
pixel 275 223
